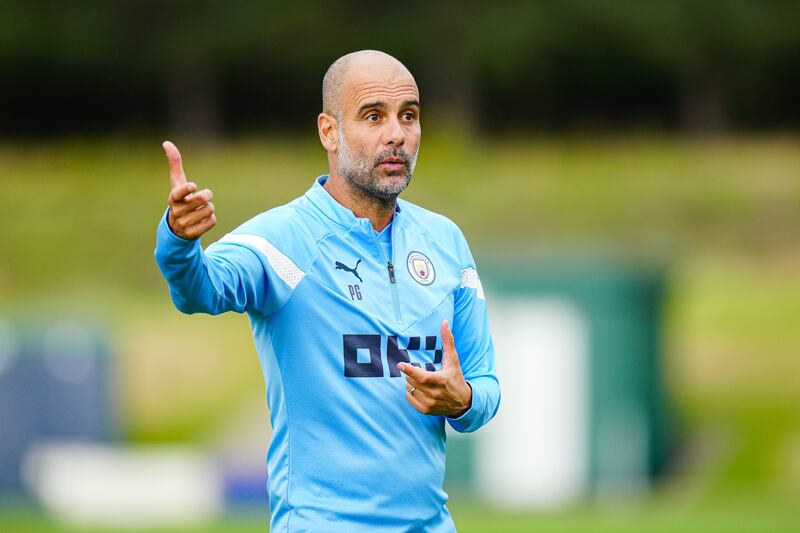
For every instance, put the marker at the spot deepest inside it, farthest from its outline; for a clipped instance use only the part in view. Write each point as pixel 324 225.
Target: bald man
pixel 367 312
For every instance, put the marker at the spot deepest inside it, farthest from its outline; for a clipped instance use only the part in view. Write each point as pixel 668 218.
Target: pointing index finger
pixel 176 174
pixel 416 373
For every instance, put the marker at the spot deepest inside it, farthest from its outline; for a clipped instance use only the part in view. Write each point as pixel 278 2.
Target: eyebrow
pixel 381 105
pixel 371 105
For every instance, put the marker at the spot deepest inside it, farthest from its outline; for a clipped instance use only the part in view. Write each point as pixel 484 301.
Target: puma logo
pixel 342 266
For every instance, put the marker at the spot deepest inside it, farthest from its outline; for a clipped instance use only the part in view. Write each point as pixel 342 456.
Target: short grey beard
pixel 361 173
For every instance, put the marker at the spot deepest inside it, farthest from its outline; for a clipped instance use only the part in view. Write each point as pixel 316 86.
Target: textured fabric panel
pixel 282 265
pixel 470 280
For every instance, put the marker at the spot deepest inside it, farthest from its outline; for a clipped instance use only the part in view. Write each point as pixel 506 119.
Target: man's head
pixel 370 123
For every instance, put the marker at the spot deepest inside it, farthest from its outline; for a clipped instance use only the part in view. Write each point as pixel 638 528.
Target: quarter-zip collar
pixel 335 211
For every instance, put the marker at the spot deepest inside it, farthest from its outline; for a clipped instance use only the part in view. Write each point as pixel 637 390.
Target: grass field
pixel 753 514
pixel 723 217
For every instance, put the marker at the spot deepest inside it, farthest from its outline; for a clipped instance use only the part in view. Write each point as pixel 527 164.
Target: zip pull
pixel 391 271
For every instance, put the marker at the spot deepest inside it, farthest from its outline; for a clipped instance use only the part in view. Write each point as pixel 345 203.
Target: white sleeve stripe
pixel 282 265
pixel 470 279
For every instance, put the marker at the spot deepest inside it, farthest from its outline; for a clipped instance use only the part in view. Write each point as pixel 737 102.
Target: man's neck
pixel 378 212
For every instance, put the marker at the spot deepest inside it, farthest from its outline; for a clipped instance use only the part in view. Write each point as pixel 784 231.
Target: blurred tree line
pixel 220 67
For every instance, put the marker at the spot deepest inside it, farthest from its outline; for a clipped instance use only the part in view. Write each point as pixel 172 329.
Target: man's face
pixel 379 132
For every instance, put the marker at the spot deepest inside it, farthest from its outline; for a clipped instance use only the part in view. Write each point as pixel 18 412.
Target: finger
pixel 413 382
pixel 201 227
pixel 425 393
pixel 416 373
pixel 178 194
pixel 176 175
pixel 449 346
pixel 199 198
pixel 192 218
pixel 428 381
pixel 192 202
pixel 419 406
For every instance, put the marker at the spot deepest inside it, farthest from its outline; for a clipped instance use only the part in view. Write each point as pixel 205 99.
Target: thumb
pixel 449 345
pixel 176 175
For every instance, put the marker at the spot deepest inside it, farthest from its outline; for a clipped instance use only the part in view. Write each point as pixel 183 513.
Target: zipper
pixel 392 280
pixel 395 297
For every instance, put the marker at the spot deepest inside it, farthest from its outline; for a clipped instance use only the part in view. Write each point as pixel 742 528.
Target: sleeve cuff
pixel 165 231
pixel 467 419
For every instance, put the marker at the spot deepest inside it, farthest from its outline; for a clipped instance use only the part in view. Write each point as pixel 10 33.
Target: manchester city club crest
pixel 421 268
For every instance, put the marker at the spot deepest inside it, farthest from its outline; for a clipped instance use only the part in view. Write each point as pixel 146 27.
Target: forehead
pixel 388 85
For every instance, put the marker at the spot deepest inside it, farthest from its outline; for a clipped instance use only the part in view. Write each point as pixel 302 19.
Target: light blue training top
pixel 333 310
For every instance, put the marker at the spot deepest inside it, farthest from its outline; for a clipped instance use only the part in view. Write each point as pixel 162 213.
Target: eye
pixel 408 115
pixel 373 117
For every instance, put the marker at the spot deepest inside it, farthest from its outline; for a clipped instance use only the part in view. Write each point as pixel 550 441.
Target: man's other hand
pixel 445 392
pixel 190 213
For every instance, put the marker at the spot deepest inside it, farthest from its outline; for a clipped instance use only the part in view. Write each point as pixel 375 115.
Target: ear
pixel 328 132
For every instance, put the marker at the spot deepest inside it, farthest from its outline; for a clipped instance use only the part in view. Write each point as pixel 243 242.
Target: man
pixel 350 293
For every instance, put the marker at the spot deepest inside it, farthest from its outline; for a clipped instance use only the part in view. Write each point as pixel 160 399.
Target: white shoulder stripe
pixel 282 265
pixel 470 279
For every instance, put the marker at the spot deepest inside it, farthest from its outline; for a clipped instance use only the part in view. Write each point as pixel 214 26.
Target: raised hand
pixel 445 392
pixel 190 213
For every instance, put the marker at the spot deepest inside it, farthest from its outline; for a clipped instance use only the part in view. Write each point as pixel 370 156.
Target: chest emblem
pixel 342 266
pixel 420 268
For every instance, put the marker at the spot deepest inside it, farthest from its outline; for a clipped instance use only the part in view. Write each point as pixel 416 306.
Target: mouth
pixel 392 163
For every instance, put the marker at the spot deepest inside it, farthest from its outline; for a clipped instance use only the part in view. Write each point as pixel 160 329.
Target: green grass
pixel 92 206
pixel 748 514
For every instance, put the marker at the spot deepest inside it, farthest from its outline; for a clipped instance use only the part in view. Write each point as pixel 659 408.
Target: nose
pixel 394 134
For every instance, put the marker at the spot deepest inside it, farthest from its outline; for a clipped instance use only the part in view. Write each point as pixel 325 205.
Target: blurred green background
pixel 660 133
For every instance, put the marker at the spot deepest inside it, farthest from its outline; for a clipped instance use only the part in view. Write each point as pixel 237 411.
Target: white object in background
pixel 534 454
pixel 95 485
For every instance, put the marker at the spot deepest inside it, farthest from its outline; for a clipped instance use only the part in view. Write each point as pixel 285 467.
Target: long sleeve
pixel 227 277
pixel 475 350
